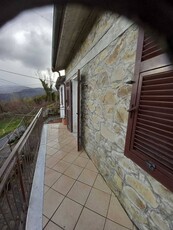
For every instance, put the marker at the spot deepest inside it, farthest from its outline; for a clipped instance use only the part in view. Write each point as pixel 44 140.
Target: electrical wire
pixel 24 75
pixel 19 74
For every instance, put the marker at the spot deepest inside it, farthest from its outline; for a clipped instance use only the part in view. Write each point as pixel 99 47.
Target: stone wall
pixel 105 101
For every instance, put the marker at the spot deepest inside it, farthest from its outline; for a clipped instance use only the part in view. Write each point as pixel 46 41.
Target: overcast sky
pixel 25 46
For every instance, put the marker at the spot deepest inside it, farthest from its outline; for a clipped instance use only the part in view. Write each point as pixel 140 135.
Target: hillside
pixel 11 88
pixel 24 93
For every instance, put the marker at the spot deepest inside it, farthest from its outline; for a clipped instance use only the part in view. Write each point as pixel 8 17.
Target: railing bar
pixel 27 136
pixel 5 178
pixel 21 201
pixel 6 195
pixel 12 189
pixel 2 212
pixel 25 170
pixel 11 156
pixel 21 180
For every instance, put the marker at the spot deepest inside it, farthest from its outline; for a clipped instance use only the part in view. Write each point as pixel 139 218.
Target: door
pixel 69 105
pixel 79 126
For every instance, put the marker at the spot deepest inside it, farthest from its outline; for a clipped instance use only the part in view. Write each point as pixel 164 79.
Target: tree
pixel 47 82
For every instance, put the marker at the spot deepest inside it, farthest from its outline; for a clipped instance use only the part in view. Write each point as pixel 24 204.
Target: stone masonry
pixel 105 101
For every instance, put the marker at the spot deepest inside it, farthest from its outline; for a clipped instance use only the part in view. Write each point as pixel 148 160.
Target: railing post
pixel 21 179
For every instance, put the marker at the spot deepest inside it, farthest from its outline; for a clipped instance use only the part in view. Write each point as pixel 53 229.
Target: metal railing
pixel 16 175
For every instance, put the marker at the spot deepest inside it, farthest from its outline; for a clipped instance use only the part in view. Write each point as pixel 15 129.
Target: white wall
pixel 62 101
pixel 74 103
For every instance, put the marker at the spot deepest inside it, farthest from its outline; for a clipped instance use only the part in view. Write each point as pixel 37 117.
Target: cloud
pixel 27 39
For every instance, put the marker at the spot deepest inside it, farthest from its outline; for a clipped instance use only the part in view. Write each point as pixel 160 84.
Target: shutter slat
pixel 157 87
pixel 167 104
pixel 149 55
pixel 155 124
pixel 155 129
pixel 156 109
pixel 159 76
pixel 155 136
pixel 150 48
pixel 157 97
pixel 157 92
pixel 160 147
pixel 161 80
pixel 156 114
pixel 157 119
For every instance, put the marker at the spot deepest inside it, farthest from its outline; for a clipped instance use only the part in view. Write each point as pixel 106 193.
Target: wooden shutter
pixel 79 130
pixel 150 48
pixel 150 126
pixel 69 105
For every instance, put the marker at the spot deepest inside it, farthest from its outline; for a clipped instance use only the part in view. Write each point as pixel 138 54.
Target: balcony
pixel 74 193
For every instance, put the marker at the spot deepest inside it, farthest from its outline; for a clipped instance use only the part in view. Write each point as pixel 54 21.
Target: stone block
pixel 118 182
pixel 134 197
pixel 159 221
pixel 107 134
pixel 144 191
pixel 110 97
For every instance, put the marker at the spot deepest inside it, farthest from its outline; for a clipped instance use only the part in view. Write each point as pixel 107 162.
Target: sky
pixel 25 47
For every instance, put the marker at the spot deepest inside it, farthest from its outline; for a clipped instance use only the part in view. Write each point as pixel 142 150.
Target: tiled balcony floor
pixel 75 195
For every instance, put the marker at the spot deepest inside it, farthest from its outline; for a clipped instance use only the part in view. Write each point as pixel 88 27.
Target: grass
pixel 6 126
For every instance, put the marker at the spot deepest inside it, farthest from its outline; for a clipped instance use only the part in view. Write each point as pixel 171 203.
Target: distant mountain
pixel 11 88
pixel 24 93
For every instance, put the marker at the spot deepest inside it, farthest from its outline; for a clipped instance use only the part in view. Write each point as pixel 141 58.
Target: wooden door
pixel 69 106
pixel 79 128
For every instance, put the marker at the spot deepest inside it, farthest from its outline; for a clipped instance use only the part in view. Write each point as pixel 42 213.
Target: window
pixel 149 140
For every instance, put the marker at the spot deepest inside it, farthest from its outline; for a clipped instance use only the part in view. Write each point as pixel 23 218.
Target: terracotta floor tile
pixel 69 158
pixel 101 184
pixel 73 171
pixel 91 166
pixel 64 184
pixel 98 201
pixel 88 177
pixel 90 221
pixel 46 188
pixel 52 226
pixel 51 176
pixel 117 214
pixel 45 220
pixel 79 192
pixel 67 214
pixel 51 151
pixel 61 154
pixel 52 200
pixel 112 226
pixel 51 143
pixel 47 157
pixel 81 161
pixel 61 166
pixel 83 154
pixel 52 161
pixel 56 145
pixel 67 148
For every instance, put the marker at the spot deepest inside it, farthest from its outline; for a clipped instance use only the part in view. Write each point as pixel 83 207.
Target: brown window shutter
pixel 150 126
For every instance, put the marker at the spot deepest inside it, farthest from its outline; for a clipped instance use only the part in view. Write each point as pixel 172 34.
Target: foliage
pixel 5 128
pixel 47 82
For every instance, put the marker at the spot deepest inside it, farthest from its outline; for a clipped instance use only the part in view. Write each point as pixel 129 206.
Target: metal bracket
pixel 130 82
pixel 151 166
pixel 132 109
